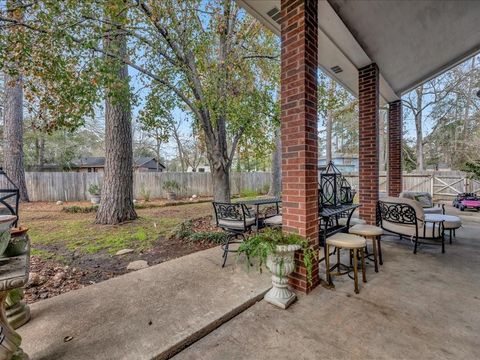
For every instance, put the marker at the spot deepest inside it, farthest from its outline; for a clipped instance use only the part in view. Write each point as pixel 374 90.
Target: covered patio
pixel 423 307
pixel 417 306
pixel 414 308
pixel 378 50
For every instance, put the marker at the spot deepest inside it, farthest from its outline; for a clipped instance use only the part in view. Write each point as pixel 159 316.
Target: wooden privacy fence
pixel 73 186
pixel 442 185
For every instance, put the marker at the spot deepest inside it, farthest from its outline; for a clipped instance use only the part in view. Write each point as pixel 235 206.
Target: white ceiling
pixel 411 41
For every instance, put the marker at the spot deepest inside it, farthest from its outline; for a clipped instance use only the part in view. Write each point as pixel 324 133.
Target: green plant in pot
pixel 6 222
pixel 275 250
pixel 171 187
pixel 94 191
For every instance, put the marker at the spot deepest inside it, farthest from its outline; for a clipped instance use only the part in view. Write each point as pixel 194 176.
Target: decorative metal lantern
pixel 330 185
pixel 346 192
pixel 9 196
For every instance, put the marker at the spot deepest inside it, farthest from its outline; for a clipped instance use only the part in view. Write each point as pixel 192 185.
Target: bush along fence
pixel 73 186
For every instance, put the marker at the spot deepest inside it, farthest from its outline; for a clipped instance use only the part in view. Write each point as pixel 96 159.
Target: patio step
pixel 147 314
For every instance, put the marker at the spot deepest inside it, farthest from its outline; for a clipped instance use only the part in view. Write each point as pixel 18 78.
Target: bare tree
pixel 276 172
pixel 423 97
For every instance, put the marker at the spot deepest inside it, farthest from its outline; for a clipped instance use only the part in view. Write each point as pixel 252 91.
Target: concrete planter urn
pixel 94 190
pixel 171 187
pixel 281 264
pixel 13 275
pixel 18 313
pixel 95 199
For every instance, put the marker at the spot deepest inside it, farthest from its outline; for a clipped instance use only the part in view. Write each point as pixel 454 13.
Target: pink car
pixel 467 201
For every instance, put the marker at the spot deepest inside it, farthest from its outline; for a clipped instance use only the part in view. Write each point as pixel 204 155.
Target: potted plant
pixel 5 224
pixel 94 191
pixel 18 241
pixel 171 187
pixel 275 250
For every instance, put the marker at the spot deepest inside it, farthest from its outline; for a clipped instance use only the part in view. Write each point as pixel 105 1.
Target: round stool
pixel 355 244
pixel 373 233
pixel 450 222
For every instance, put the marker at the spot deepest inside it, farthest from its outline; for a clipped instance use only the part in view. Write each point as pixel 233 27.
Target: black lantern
pixel 346 192
pixel 330 185
pixel 9 196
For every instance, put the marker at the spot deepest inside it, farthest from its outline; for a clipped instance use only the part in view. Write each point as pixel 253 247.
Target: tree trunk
pixel 41 152
pixel 221 184
pixel 328 138
pixel 418 126
pixel 329 123
pixel 13 133
pixel 116 203
pixel 276 175
pixel 220 172
pixel 180 151
pixel 381 141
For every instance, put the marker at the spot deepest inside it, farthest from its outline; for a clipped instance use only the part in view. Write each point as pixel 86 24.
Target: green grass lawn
pixel 53 232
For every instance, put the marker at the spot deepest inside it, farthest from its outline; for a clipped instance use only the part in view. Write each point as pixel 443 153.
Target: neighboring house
pixel 45 168
pixel 345 163
pixel 97 164
pixel 199 168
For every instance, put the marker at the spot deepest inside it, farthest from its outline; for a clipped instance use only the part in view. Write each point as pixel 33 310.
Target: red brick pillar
pixel 299 127
pixel 368 96
pixel 395 148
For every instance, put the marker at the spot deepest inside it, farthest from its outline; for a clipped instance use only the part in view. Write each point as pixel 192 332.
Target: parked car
pixel 467 201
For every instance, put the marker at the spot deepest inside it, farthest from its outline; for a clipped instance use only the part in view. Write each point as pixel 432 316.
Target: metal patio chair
pixel 406 218
pixel 235 220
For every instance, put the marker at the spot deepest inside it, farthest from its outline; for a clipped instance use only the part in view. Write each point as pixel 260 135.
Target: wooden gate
pixel 448 186
pixel 474 186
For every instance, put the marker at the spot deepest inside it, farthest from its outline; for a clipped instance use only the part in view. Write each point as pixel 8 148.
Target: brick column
pixel 299 127
pixel 395 148
pixel 368 96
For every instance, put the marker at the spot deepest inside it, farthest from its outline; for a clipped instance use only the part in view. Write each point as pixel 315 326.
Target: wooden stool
pixel 373 233
pixel 353 243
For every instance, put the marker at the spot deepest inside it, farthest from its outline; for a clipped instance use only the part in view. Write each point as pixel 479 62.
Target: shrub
pixel 80 209
pixel 94 189
pixel 144 193
pixel 473 169
pixel 247 193
pixel 208 236
pixel 265 188
pixel 171 186
pixel 184 231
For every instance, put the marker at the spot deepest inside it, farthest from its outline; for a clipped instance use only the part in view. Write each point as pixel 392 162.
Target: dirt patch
pixel 50 278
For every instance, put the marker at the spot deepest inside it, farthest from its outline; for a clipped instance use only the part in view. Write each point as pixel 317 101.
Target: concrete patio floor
pixel 424 306
pixel 146 314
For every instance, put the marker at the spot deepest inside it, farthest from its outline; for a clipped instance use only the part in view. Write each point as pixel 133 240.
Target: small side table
pixel 13 274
